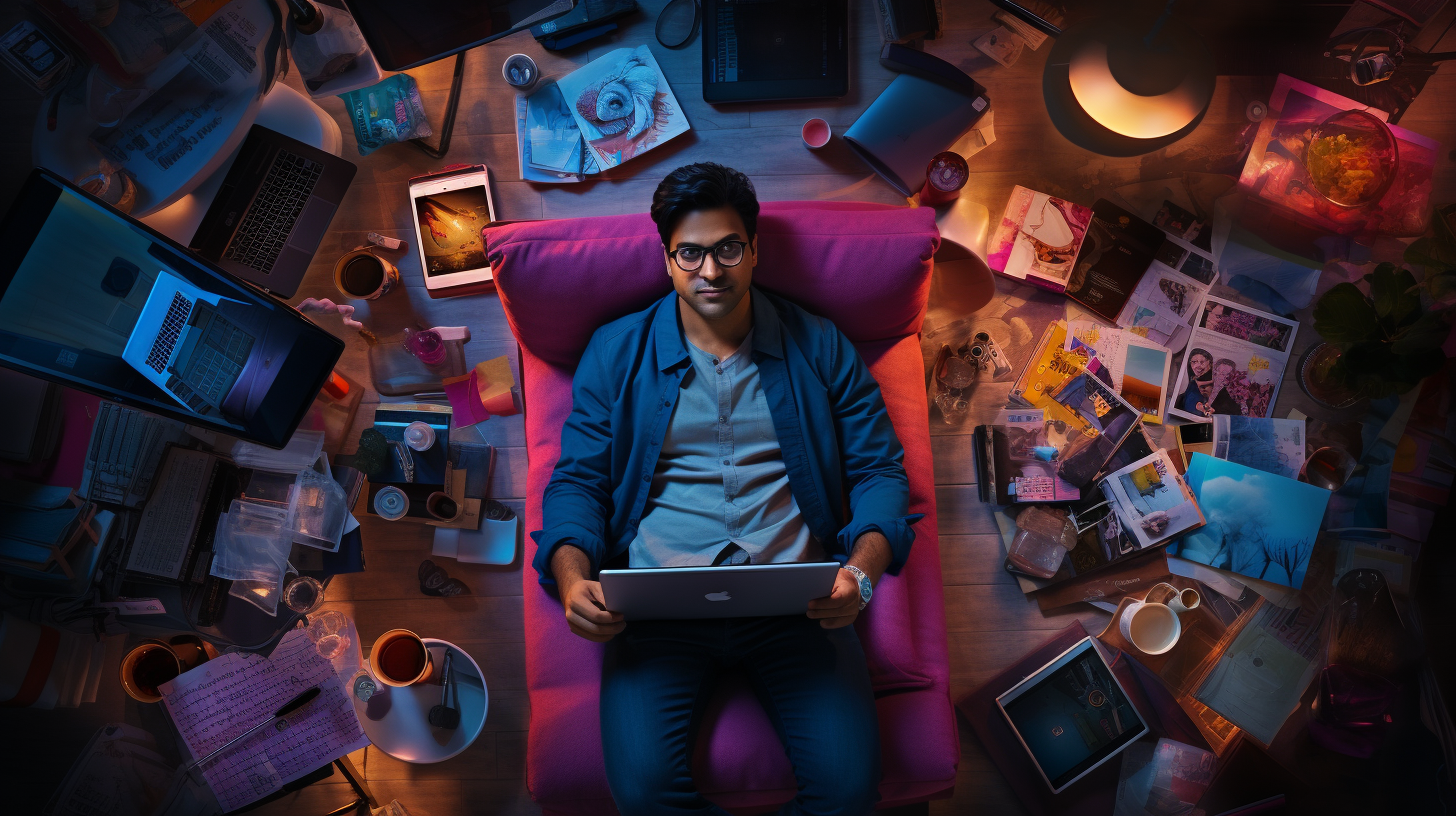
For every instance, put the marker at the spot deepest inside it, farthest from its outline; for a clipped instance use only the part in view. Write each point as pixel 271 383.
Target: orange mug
pixel 146 667
pixel 399 658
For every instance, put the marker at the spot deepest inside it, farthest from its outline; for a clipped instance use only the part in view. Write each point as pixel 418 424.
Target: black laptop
pixel 272 210
pixel 756 50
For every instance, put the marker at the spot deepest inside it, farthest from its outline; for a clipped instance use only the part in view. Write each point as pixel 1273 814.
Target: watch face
pixel 864 591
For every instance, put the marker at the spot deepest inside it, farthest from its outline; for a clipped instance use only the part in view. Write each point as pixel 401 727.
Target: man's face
pixel 1223 372
pixel 1199 364
pixel 712 290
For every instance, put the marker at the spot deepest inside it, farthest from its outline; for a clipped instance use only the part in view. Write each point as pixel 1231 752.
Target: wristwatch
pixel 866 589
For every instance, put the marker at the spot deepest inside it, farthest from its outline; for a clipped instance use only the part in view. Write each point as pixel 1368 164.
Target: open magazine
pixel 611 110
pixel 1151 500
pixel 1235 361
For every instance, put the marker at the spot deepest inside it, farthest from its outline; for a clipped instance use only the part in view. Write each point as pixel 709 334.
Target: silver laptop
pixel 681 593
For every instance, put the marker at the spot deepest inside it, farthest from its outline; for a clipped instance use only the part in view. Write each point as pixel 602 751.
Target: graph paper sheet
pixel 222 698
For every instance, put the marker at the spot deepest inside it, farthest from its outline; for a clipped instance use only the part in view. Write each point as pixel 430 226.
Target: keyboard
pixel 171 329
pixel 280 201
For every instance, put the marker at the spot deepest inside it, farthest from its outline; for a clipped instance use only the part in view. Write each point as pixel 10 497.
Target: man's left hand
pixel 841 606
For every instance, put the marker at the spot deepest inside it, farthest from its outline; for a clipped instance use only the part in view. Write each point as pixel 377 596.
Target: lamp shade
pixel 1119 91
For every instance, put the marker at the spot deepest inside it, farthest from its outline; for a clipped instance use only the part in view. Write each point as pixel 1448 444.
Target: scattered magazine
pixel 1136 367
pixel 1270 445
pixel 1038 239
pixel 1235 360
pixel 1022 460
pixel 1087 419
pixel 1151 500
pixel 611 110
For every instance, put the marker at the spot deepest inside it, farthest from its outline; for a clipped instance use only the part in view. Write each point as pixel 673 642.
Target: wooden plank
pixel 1000 607
pixel 961 511
pixel 970 559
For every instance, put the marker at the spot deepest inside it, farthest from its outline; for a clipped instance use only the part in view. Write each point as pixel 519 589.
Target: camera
pixel 986 356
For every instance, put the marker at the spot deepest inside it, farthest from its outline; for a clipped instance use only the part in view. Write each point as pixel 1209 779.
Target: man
pixel 720 425
pixel 1223 402
pixel 1200 382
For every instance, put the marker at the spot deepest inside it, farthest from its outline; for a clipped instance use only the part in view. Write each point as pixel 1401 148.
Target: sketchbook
pixel 611 110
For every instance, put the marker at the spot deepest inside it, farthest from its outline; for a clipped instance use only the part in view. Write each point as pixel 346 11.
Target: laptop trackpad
pixel 312 225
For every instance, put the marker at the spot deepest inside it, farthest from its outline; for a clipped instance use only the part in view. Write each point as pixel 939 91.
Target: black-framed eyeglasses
pixel 690 258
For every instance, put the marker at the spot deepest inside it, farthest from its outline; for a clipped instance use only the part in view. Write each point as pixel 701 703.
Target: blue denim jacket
pixel 827 411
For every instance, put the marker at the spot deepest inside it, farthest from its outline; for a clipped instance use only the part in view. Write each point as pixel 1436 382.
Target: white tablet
pixel 450 210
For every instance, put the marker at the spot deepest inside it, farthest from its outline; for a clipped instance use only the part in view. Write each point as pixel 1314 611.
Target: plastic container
pixel 330 52
pixel 1044 536
pixel 411 362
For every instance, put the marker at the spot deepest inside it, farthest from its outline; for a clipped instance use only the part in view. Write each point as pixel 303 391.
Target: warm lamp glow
pixel 1122 111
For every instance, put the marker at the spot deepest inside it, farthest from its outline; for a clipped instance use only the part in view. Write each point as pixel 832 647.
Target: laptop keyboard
pixel 727 45
pixel 219 360
pixel 171 329
pixel 280 201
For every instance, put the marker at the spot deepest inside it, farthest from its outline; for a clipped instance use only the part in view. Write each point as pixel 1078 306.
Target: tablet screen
pixel 1072 715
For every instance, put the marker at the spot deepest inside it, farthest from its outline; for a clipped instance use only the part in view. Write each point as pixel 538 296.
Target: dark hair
pixel 703 186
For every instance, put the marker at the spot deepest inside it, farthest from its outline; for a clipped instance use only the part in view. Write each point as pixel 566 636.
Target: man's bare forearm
pixel 871 554
pixel 569 565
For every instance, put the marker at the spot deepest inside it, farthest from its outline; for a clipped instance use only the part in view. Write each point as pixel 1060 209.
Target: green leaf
pixel 1427 333
pixel 1344 316
pixel 1393 289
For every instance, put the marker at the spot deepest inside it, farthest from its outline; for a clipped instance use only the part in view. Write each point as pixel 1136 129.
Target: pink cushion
pixel 864 265
pixel 878 298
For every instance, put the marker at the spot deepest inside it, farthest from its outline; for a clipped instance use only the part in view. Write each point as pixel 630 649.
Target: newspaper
pixel 1234 363
pixel 1166 298
pixel 202 90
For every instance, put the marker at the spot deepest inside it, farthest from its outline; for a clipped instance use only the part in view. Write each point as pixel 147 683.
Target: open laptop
pixel 681 593
pixel 756 50
pixel 184 345
pixel 273 208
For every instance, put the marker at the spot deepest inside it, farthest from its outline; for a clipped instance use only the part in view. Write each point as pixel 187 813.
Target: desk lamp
pixel 1120 91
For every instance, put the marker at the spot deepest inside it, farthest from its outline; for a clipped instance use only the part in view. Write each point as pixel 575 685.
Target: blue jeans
pixel 659 676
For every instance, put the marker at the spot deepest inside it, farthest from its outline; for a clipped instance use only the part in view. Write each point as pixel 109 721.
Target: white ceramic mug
pixel 1152 624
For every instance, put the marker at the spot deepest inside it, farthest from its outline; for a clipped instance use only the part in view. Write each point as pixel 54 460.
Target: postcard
pixel 623 105
pixel 1259 524
pixel 1038 239
pixel 1270 445
pixel 1152 501
pixel 1087 421
pixel 1236 358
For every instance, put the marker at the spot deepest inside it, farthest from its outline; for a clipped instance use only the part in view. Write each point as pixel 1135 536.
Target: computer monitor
pixel 404 34
pixel 97 301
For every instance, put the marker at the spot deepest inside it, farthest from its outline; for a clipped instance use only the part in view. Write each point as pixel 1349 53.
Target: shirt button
pixel 720 371
pixel 722 419
pixel 666 403
pixel 726 462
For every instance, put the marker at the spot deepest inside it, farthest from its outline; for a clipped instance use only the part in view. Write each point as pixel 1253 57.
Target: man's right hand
pixel 586 612
pixel 581 598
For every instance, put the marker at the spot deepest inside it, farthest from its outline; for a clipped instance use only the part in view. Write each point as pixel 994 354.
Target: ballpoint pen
pixel 289 707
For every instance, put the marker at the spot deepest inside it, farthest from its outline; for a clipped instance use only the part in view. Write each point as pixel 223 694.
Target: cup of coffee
pixel 1152 624
pixel 363 275
pixel 146 667
pixel 399 658
pixel 442 506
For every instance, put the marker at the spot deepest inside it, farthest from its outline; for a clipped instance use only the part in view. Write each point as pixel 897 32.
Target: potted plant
pixel 1377 345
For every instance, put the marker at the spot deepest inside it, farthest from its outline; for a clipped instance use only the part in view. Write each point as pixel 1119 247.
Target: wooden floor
pixel 990 622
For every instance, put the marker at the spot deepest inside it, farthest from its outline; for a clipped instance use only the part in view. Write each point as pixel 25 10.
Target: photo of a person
pixel 1222 402
pixel 1200 382
pixel 1176 293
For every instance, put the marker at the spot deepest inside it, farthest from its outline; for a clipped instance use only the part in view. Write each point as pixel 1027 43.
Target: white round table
pixel 396 719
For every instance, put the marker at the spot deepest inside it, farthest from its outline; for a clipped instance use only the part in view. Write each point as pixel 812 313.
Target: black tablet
pixel 98 301
pixel 789 49
pixel 403 34
pixel 1072 715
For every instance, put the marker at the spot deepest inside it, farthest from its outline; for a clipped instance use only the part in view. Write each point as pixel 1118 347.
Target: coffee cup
pixel 442 506
pixel 815 133
pixel 1151 625
pixel 147 666
pixel 363 275
pixel 399 658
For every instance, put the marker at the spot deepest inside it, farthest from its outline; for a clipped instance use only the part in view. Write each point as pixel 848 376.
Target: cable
pixel 451 107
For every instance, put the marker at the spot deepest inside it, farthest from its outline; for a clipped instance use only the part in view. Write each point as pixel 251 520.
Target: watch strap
pixel 866 588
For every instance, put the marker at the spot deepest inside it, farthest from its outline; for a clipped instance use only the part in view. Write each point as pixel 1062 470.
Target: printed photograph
pixel 1178 297
pixel 1214 384
pixel 1199 268
pixel 1144 379
pixel 1257 524
pixel 1241 324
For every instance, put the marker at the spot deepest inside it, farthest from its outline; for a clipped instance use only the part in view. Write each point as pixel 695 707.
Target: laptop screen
pixel 95 300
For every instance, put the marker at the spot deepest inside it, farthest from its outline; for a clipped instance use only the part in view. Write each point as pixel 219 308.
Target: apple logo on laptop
pixel 719 596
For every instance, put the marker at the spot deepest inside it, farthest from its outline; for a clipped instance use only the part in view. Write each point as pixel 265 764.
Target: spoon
pixel 443 715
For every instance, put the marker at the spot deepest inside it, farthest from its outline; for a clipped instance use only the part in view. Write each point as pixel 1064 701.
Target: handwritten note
pixel 222 698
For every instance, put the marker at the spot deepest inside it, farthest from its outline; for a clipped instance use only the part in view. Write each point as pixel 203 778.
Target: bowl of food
pixel 1351 158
